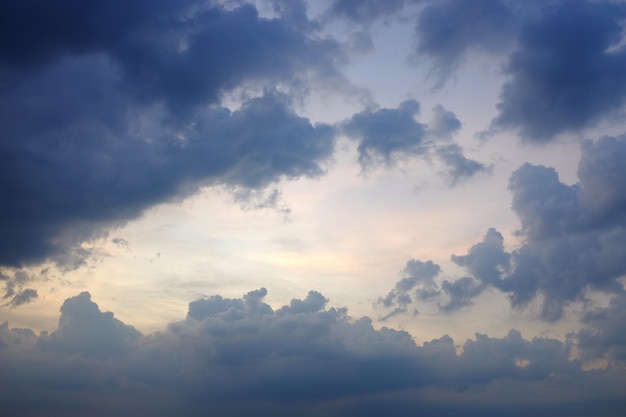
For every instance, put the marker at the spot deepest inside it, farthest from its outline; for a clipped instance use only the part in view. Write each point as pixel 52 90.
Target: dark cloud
pixel 447 30
pixel 236 356
pixel 564 76
pixel 108 109
pixel 387 136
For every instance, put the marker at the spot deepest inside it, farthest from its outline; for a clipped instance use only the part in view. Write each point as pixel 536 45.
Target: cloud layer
pixel 238 355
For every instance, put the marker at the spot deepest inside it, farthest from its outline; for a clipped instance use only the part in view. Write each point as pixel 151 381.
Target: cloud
pixel 418 276
pixel 239 355
pixel 364 11
pixel 573 239
pixel 447 30
pixel 566 72
pixel 603 338
pixel 458 166
pixel 388 136
pixel 103 120
pixel 23 297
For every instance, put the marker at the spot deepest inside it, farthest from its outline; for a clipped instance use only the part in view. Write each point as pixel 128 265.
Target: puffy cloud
pixel 573 239
pixel 84 329
pixel 566 73
pixel 102 120
pixel 418 277
pixel 387 136
pixel 301 358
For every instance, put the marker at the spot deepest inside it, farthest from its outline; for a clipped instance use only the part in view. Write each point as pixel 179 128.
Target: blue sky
pixel 337 207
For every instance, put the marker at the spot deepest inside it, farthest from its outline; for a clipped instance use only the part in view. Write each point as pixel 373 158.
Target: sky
pixel 332 207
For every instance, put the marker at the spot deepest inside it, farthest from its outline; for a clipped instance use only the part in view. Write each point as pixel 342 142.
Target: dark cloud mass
pixel 103 118
pixel 237 356
pixel 573 239
pixel 565 76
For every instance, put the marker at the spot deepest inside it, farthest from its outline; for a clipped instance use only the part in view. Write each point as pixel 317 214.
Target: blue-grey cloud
pixel 365 11
pixel 444 123
pixel 573 238
pixel 387 136
pixel 418 277
pixel 236 356
pixel 447 30
pixel 458 167
pixel 603 337
pixel 565 76
pixel 108 109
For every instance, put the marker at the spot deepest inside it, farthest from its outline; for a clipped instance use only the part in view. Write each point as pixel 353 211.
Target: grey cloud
pixel 447 30
pixel 84 329
pixel 102 120
pixel 418 277
pixel 444 123
pixel 61 190
pixel 573 238
pixel 460 293
pixel 570 243
pixel 306 361
pixel 313 303
pixel 458 166
pixel 14 292
pixel 604 338
pixel 387 136
pixel 364 11
pixel 23 297
pixel 487 260
pixel 564 75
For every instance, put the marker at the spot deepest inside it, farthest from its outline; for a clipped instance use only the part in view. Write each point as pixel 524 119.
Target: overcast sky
pixel 332 207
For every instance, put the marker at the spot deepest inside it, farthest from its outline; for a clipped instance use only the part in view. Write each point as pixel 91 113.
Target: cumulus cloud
pixel 573 238
pixel 102 120
pixel 239 355
pixel 388 136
